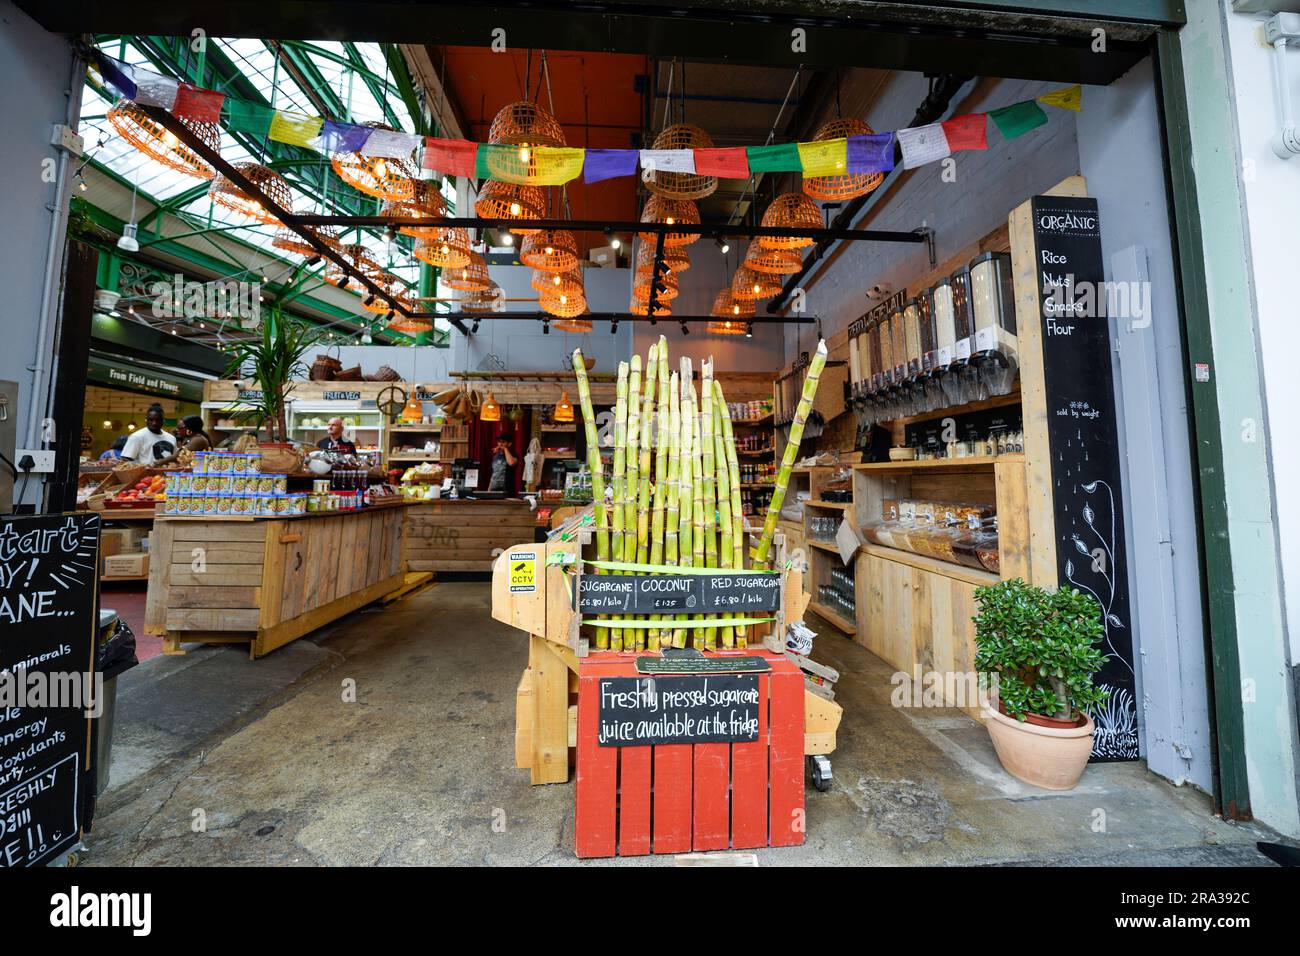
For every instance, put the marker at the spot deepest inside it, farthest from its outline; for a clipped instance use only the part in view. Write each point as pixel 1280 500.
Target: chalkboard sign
pixel 47 658
pixel 685 593
pixel 1082 435
pixel 639 711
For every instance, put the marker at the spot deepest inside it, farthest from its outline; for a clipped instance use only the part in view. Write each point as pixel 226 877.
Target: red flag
pixel 967 132
pixel 452 156
pixel 196 104
pixel 730 163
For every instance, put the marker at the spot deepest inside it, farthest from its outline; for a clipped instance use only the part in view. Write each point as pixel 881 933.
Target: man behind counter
pixel 335 441
pixel 503 466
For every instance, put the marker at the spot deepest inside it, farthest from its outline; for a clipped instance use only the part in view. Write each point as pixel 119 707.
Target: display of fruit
pixel 146 489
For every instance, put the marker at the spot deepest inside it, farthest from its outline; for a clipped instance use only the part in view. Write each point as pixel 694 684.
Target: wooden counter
pixel 268 581
pixel 465 534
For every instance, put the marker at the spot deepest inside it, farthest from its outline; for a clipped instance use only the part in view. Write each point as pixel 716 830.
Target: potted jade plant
pixel 1042 648
pixel 272 360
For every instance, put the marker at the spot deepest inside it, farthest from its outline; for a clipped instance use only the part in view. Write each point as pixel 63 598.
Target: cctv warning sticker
pixel 523 573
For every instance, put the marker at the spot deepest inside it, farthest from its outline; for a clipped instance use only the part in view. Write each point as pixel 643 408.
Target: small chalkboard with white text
pixel 693 593
pixel 703 709
pixel 48 632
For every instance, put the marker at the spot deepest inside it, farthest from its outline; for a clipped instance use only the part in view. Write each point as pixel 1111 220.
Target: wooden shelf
pixel 413 458
pixel 940 464
pixel 752 421
pixel 839 505
pixel 757 484
pixel 822 546
pixel 946 568
pixel 839 620
pixel 559 428
pixel 752 452
pixel 415 428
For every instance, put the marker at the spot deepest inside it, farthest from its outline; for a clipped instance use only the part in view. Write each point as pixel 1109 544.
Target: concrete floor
pixel 220 760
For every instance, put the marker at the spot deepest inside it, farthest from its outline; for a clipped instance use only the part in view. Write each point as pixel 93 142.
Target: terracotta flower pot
pixel 1049 757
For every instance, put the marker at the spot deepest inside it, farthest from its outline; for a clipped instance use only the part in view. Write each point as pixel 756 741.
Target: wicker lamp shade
pixel 402 323
pixel 471 277
pixel 727 328
pixel 773 261
pixel 425 202
pixel 525 124
pixel 748 285
pixel 727 306
pixel 511 201
pixel 794 210
pixel 550 250
pixel 558 283
pixel 481 301
pixel 642 307
pixel 359 257
pixel 563 306
pixel 449 250
pixel 287 240
pixel 850 185
pixel 226 194
pixel 574 325
pixel 682 185
pixel 659 209
pixel 383 177
pixel 393 286
pixel 160 144
pixel 641 287
pixel 675 258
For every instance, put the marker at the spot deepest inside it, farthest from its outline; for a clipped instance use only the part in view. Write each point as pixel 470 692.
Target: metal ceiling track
pixel 615 317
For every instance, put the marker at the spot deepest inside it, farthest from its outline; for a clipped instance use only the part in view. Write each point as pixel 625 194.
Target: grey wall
pixel 35 74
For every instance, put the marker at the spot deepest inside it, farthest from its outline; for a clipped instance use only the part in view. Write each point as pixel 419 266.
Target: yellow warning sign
pixel 523 572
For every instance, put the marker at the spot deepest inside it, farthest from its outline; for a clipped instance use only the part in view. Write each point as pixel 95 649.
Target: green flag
pixel 245 117
pixel 1018 118
pixel 781 158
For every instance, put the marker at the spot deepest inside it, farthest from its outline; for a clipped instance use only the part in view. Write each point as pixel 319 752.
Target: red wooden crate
pixel 679 798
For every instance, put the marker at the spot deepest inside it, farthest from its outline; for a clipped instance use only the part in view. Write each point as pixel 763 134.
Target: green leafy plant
pixel 274 359
pixel 1042 645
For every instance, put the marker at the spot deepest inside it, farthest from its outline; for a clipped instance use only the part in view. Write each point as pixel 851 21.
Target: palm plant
pixel 273 360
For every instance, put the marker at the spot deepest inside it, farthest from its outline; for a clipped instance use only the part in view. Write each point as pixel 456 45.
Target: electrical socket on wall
pixel 44 460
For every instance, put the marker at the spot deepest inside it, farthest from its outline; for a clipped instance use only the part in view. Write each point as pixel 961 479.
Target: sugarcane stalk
pixel 643 498
pixel 709 494
pixel 697 538
pixel 672 515
pixel 737 512
pixel 791 453
pixel 619 482
pixel 685 493
pixel 662 432
pixel 727 635
pixel 633 477
pixel 597 469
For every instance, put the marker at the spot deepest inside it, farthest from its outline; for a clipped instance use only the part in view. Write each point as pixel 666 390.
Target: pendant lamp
pixel 525 124
pixel 159 143
pixel 500 200
pixel 490 410
pixel 748 285
pixel 226 194
pixel 727 328
pixel 670 211
pixel 682 185
pixel 384 177
pixel 424 203
pixel 413 410
pixel 727 306
pixel 849 185
pixel 449 250
pixel 563 408
pixel 790 210
pixel 550 250
pixel 773 261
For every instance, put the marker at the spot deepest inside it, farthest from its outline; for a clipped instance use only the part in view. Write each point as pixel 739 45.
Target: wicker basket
pixel 349 374
pixel 226 194
pixel 525 124
pixel 850 185
pixel 790 210
pixel 326 366
pixel 386 373
pixel 682 185
pixel 147 135
pixel 658 209
pixel 500 200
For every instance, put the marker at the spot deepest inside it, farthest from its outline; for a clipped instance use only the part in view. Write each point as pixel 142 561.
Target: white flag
pixel 669 160
pixel 923 144
pixel 390 144
pixel 154 89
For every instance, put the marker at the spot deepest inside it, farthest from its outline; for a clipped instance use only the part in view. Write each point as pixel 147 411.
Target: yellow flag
pixel 1066 98
pixel 829 157
pixel 295 128
pixel 556 165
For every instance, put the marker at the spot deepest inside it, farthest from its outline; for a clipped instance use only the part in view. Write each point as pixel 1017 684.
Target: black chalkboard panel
pixel 695 593
pixel 1082 435
pixel 48 630
pixel 716 708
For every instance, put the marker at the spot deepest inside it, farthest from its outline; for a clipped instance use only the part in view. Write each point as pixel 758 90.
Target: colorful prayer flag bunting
pixel 871 153
pixel 119 75
pixel 1018 118
pixel 923 144
pixel 602 164
pixel 336 137
pixel 245 117
pixel 389 144
pixel 966 132
pixel 669 160
pixel 154 89
pixel 723 162
pixel 1066 98
pixel 203 106
pixel 294 128
pixel 781 158
pixel 452 157
pixel 828 157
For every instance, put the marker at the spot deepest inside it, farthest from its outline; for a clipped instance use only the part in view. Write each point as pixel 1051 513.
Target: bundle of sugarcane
pixel 676 487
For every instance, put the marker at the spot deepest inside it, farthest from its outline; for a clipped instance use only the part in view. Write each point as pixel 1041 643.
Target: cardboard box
pixel 120 541
pixel 604 256
pixel 134 565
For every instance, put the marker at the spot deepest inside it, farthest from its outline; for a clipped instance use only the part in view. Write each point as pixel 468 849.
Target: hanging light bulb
pixel 515 209
pixel 563 408
pixel 381 169
pixel 524 154
pixel 490 411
